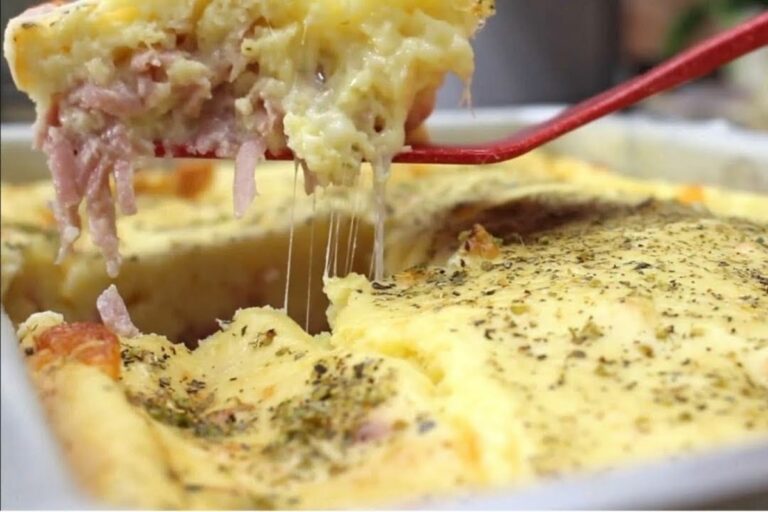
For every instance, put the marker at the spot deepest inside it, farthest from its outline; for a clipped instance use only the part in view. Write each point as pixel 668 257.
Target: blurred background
pixel 560 51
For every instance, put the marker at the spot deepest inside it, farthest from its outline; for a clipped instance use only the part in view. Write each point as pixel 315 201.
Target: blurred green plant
pixel 720 12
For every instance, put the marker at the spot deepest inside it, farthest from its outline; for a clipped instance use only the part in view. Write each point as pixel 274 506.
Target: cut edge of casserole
pixel 184 239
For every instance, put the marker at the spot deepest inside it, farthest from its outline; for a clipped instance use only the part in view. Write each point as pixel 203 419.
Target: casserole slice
pixel 336 82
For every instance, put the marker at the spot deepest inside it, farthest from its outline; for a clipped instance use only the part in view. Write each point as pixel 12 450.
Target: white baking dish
pixel 34 476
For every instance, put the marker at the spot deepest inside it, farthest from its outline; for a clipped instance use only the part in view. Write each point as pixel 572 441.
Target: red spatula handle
pixel 693 63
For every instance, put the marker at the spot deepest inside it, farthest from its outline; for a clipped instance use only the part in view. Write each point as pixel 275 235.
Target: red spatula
pixel 691 64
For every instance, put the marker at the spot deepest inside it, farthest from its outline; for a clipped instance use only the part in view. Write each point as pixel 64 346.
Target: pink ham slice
pixel 101 218
pixel 121 156
pixel 249 156
pixel 114 314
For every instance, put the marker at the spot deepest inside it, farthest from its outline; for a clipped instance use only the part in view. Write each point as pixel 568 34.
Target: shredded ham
pixel 64 167
pixel 101 218
pixel 118 100
pixel 81 171
pixel 68 222
pixel 249 156
pixel 64 170
pixel 217 130
pixel 120 155
pixel 114 314
pixel 87 141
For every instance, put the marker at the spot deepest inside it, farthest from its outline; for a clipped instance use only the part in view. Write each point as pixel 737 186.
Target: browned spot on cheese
pixel 188 181
pixel 268 392
pixel 480 243
pixel 410 277
pixel 521 219
pixel 46 218
pixel 88 343
pixel 193 179
pixel 692 194
pixel 467 444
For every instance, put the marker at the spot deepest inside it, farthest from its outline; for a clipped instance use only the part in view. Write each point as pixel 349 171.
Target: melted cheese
pixel 183 239
pixel 617 334
pixel 607 324
pixel 260 416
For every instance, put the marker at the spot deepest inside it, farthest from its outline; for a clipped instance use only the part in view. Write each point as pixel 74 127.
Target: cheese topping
pixel 554 318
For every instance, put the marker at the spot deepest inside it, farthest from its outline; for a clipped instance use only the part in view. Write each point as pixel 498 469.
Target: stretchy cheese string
pixel 380 173
pixel 310 268
pixel 336 237
pixel 328 244
pixel 353 229
pixel 290 240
